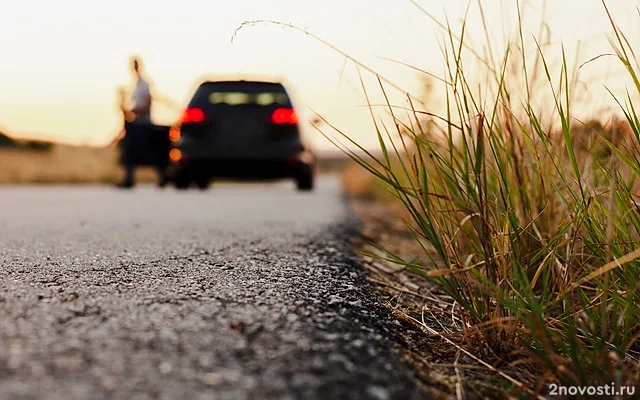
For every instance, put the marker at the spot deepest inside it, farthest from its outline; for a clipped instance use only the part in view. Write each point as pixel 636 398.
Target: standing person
pixel 137 125
pixel 141 96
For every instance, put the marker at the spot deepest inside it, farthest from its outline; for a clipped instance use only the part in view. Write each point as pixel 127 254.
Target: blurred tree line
pixel 32 145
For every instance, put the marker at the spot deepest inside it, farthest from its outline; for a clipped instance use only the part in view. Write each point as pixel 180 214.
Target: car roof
pixel 291 89
pixel 242 78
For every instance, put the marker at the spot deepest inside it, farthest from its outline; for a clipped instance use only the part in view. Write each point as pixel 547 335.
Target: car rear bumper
pixel 250 169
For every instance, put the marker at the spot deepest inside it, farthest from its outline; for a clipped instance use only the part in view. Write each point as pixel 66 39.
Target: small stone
pixel 165 368
pixel 319 364
pixel 211 379
pixel 238 326
pixel 301 381
pixel 109 383
pixel 378 393
pixel 205 361
pixel 298 382
pixel 71 297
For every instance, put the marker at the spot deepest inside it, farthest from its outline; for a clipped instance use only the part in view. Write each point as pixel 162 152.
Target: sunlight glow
pixel 62 62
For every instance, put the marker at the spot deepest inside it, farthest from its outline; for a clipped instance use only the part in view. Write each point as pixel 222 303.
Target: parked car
pixel 240 130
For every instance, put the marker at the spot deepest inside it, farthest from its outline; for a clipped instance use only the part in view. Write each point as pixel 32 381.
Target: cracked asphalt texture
pixel 240 292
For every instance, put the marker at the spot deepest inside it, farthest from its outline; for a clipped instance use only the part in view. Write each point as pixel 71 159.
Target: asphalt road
pixel 241 292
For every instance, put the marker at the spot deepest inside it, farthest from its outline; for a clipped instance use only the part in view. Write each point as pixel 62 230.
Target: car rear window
pixel 241 93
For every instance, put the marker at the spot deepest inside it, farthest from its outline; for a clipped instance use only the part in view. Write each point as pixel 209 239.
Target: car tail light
pixel 284 116
pixel 193 115
pixel 291 161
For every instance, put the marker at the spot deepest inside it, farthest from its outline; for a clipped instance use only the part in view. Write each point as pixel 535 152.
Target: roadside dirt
pixel 428 327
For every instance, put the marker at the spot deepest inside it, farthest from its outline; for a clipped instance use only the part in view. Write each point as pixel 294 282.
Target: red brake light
pixel 283 116
pixel 193 115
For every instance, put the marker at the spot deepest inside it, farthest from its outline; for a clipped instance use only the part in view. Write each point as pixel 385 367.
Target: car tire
pixel 181 182
pixel 203 183
pixel 180 177
pixel 182 185
pixel 163 180
pixel 305 180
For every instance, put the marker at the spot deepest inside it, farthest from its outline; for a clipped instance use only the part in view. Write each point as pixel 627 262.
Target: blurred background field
pixel 63 164
pixel 41 162
pixel 60 164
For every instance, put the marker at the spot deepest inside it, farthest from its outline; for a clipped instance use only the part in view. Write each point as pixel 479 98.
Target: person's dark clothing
pixel 144 144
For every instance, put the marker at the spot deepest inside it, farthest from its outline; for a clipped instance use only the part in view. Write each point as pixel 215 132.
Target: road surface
pixel 241 292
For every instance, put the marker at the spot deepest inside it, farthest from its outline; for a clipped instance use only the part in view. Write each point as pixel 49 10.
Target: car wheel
pixel 203 183
pixel 305 180
pixel 180 177
pixel 182 185
pixel 181 182
pixel 163 179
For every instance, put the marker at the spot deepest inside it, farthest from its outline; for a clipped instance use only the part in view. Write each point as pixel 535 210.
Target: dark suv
pixel 240 129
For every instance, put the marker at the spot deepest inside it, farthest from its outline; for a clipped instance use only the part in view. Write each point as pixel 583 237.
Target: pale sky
pixel 60 62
